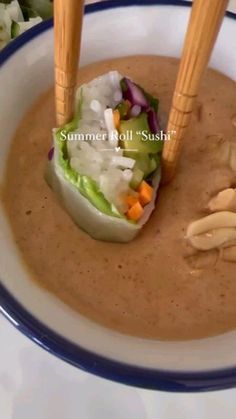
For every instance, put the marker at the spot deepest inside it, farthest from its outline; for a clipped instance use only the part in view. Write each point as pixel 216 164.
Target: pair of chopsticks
pixel 204 25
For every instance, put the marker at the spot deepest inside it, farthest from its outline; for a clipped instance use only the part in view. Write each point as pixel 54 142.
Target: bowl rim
pixel 72 353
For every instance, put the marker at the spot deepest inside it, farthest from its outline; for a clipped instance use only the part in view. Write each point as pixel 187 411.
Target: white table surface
pixel 36 385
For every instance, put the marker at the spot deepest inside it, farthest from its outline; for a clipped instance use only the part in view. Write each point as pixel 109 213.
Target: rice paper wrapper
pixel 98 225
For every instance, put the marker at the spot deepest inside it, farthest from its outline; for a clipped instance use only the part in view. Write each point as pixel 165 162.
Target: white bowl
pixel 26 71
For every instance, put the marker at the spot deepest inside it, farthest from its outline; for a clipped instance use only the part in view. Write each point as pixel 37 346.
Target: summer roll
pixel 105 164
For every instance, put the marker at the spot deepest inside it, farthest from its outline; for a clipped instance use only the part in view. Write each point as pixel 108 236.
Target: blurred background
pixel 17 16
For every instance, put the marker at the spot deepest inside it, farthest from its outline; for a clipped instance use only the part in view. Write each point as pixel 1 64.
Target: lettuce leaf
pixel 85 185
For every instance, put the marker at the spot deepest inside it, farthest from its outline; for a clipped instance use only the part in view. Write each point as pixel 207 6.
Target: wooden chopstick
pixel 205 21
pixel 68 18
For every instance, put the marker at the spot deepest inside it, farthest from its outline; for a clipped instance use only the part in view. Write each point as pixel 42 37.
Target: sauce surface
pixel 151 287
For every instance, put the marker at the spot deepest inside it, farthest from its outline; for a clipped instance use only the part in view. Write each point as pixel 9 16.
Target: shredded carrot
pixel 145 193
pixel 116 117
pixel 135 212
pixel 130 200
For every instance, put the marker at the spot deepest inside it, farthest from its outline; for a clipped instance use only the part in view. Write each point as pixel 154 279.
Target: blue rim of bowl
pixel 75 355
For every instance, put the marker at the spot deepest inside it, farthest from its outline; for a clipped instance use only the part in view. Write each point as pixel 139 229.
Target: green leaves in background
pixel 17 16
pixel 34 8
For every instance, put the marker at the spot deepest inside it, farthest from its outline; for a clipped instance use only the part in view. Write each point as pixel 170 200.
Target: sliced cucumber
pixel 153 164
pixel 137 178
pixel 15 29
pixel 21 27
